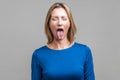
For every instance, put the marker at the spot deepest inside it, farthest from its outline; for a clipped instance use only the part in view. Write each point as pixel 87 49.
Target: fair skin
pixel 59 21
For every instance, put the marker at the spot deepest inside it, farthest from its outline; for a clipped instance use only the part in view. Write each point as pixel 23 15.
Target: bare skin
pixel 59 20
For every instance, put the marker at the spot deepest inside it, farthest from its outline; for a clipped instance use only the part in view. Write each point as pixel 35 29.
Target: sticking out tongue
pixel 60 34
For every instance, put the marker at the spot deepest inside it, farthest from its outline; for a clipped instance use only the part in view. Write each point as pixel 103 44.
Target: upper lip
pixel 60 29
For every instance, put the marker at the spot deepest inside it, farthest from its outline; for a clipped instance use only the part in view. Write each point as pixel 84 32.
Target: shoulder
pixel 39 50
pixel 83 46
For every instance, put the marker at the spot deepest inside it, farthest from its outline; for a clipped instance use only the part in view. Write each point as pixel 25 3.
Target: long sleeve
pixel 89 67
pixel 35 68
pixel 73 63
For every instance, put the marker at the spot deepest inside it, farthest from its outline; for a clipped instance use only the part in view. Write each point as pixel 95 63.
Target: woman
pixel 61 58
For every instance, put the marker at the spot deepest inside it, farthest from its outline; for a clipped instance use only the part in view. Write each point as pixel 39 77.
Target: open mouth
pixel 60 29
pixel 60 33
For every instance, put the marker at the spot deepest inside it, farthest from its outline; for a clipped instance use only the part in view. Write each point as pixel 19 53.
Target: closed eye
pixel 64 18
pixel 54 18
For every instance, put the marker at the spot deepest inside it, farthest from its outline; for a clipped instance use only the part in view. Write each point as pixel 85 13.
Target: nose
pixel 59 22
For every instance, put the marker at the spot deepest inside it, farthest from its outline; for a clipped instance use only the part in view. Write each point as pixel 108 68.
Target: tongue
pixel 60 34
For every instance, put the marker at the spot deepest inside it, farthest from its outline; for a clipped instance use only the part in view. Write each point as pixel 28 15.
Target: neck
pixel 59 44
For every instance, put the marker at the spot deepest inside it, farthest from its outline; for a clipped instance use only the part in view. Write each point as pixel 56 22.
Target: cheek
pixel 67 25
pixel 52 24
pixel 52 27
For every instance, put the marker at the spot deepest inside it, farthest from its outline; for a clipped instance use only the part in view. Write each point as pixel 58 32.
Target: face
pixel 59 23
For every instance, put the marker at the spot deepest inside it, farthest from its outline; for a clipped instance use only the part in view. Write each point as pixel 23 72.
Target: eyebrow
pixel 57 16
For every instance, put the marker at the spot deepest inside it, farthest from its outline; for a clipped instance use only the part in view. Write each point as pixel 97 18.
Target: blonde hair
pixel 72 29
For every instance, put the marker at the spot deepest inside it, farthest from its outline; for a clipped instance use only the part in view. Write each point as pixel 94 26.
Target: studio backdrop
pixel 22 31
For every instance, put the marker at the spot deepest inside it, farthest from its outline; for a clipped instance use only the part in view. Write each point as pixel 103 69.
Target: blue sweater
pixel 73 63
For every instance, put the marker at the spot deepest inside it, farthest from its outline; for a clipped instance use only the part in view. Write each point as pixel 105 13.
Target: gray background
pixel 22 31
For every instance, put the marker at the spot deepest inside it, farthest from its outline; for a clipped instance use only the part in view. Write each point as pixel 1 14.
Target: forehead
pixel 59 12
